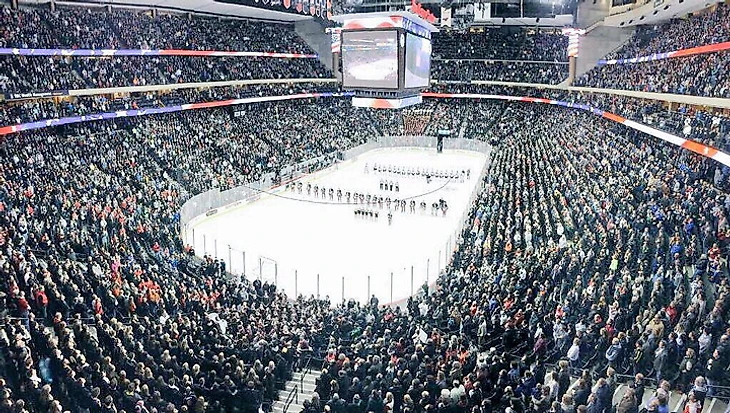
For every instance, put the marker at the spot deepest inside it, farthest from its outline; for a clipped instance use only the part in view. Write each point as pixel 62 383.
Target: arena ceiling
pixel 201 6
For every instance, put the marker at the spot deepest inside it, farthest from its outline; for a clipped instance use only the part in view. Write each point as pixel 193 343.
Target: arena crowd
pixel 463 70
pixel 699 75
pixel 595 257
pixel 513 55
pixel 105 309
pixel 506 43
pixel 84 28
pixel 30 110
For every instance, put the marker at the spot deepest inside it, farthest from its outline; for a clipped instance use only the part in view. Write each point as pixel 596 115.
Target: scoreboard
pixel 370 59
pixel 386 58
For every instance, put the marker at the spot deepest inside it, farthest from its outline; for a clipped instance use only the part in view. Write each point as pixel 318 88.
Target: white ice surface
pixel 326 239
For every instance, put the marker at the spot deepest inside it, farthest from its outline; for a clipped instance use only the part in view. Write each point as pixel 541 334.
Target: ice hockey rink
pixel 313 246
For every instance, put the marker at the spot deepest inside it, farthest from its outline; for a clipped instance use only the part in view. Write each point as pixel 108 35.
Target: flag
pixel 287 3
pixel 300 5
pixel 336 42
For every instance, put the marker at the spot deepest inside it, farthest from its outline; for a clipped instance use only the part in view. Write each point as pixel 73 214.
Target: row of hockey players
pixel 399 205
pixel 298 187
pixel 367 199
pixel 432 173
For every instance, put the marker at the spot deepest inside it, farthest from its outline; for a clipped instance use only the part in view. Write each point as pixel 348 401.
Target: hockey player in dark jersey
pixel 339 195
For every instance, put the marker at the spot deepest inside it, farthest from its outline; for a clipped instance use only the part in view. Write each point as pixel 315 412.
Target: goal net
pixel 267 269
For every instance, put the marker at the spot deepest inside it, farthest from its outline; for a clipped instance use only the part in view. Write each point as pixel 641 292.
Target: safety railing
pixel 305 370
pixel 291 398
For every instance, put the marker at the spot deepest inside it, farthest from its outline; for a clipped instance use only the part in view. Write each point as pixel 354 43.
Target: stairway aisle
pixel 305 385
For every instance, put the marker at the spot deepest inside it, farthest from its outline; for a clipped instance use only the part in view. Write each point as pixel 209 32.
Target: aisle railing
pixel 291 398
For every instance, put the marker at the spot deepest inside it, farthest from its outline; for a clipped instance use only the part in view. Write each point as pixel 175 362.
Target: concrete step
pixel 676 402
pixel 305 388
pixel 619 393
pixel 313 373
pixel 720 406
pixel 306 380
pixel 278 406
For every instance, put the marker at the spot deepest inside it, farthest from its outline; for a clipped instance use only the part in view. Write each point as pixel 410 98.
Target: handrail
pixel 293 395
pixel 308 367
pixel 724 396
pixel 621 378
pixel 306 370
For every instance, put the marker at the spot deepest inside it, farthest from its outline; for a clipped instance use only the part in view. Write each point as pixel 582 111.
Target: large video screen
pixel 370 59
pixel 418 61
